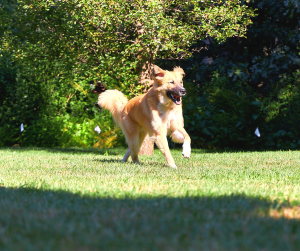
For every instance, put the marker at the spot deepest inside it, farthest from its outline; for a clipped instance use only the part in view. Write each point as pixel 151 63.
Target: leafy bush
pixel 55 113
pixel 51 50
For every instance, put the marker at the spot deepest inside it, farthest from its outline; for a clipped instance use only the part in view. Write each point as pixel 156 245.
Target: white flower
pixel 97 129
pixel 257 132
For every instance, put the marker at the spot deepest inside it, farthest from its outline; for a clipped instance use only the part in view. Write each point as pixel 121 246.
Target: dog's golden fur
pixel 158 112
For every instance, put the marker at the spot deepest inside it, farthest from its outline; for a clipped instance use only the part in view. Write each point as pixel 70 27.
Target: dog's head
pixel 169 83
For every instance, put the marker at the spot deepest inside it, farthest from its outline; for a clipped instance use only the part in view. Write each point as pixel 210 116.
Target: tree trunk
pixel 147 147
pixel 144 70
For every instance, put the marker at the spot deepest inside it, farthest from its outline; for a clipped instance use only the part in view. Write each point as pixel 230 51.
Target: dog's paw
pixel 186 154
pixel 173 166
pixel 186 150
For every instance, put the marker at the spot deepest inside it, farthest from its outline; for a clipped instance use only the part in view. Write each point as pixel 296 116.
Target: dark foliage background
pixel 234 86
pixel 247 83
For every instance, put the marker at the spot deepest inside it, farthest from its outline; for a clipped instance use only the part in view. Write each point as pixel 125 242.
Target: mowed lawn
pixel 87 199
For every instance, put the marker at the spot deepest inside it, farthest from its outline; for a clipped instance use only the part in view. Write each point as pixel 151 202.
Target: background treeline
pixel 248 83
pixel 54 53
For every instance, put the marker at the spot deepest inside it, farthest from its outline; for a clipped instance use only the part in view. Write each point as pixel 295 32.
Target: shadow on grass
pixel 33 219
pixel 71 150
pixel 142 163
pixel 120 151
pixel 107 160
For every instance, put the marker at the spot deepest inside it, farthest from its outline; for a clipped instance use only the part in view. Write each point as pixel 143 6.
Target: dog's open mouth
pixel 175 98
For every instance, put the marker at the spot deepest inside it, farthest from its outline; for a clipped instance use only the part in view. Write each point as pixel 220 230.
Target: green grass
pixel 86 199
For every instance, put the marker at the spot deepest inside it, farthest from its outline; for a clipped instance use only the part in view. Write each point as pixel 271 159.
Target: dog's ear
pixel 157 72
pixel 179 69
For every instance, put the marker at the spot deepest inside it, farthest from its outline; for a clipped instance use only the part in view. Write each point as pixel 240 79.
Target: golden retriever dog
pixel 158 112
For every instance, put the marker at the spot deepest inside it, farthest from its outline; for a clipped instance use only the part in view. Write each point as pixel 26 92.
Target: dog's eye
pixel 172 82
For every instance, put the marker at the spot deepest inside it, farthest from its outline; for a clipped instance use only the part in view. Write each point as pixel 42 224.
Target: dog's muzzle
pixel 176 96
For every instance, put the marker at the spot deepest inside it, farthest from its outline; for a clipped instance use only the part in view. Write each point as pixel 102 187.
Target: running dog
pixel 158 113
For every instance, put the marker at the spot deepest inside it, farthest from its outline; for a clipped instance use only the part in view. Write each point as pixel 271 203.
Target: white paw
pixel 186 149
pixel 173 166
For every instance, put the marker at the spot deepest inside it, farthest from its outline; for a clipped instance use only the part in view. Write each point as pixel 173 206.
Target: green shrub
pixel 51 50
pixel 226 113
pixel 55 113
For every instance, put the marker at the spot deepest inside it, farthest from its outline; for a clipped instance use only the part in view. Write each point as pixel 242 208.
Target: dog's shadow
pixel 108 160
pixel 142 163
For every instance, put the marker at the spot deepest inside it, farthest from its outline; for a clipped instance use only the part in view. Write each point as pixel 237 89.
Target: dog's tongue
pixel 178 100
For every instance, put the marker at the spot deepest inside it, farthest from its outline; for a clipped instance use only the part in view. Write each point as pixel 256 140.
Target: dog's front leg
pixel 181 136
pixel 162 144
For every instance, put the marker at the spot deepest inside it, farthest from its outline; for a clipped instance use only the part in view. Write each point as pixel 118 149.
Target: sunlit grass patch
pixel 287 213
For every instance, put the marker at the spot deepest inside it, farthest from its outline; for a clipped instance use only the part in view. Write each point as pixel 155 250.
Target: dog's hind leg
pixel 142 136
pixel 131 131
pixel 134 146
pixel 126 156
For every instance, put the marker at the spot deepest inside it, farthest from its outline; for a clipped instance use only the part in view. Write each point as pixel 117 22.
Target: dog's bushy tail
pixel 114 101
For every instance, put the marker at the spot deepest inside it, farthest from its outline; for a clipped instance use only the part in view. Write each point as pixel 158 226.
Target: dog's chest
pixel 166 114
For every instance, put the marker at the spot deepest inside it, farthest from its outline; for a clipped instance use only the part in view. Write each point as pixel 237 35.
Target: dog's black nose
pixel 182 91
